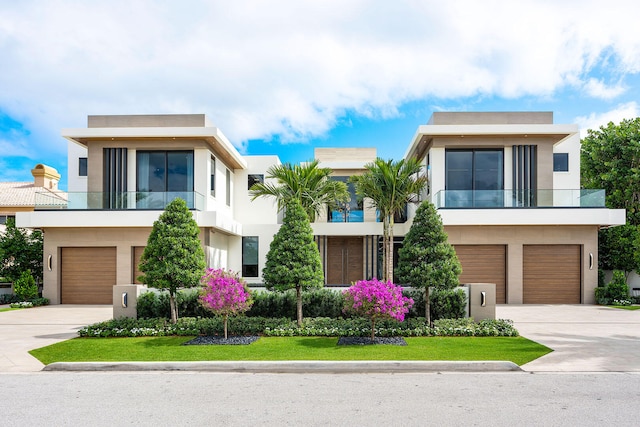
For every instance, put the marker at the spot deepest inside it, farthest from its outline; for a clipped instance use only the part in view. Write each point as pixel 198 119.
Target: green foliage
pixel 447 303
pixel 601 277
pixel 242 325
pixel 619 248
pixel 33 302
pixel 25 287
pixel 315 303
pixel 616 291
pixel 293 260
pixel 426 259
pixel 20 250
pixel 173 257
pixel 609 159
pixel 9 298
pixel 389 186
pixel 307 183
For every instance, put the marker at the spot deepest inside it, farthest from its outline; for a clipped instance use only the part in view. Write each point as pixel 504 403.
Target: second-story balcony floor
pixel 519 199
pixel 116 201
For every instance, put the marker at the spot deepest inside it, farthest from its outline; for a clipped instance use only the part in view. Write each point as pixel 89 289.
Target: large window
pixel 162 176
pixel 250 256
pixel 351 211
pixel 474 178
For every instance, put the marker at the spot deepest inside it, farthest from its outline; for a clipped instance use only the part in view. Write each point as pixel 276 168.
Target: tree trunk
pixel 174 308
pixel 390 250
pixel 427 306
pixel 299 305
pixel 373 329
pixel 226 318
pixel 385 249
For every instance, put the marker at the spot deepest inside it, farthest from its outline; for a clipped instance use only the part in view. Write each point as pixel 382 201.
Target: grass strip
pixel 516 349
pixel 626 307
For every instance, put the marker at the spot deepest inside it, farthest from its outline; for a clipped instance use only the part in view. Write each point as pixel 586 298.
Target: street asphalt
pixel 584 338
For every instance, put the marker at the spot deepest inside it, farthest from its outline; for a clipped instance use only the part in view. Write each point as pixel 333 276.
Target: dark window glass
pixel 254 179
pixel 228 187
pixel 82 166
pixel 459 170
pixel 351 211
pixel 213 176
pixel 250 256
pixel 474 178
pixel 561 162
pixel 168 173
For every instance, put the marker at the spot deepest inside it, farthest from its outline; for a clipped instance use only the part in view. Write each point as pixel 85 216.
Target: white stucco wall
pixel 75 182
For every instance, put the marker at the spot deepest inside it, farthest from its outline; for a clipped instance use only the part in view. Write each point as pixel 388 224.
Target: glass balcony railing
pixel 500 199
pixel 130 200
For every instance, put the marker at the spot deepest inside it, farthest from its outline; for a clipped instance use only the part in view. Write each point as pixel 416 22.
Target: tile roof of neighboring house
pixel 22 193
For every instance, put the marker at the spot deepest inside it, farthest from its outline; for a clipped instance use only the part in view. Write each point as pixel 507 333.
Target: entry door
pixel 344 260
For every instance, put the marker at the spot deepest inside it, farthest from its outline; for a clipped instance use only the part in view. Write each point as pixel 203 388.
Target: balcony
pixel 518 199
pixel 130 200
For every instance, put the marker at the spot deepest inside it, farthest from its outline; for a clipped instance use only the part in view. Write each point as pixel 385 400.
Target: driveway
pixel 585 338
pixel 26 329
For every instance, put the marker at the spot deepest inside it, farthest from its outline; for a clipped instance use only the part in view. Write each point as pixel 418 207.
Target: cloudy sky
pixel 284 76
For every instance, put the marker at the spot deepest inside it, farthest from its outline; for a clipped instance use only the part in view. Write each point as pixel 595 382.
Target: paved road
pixel 199 399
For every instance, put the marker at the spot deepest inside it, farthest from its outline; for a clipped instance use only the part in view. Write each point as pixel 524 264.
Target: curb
pixel 294 366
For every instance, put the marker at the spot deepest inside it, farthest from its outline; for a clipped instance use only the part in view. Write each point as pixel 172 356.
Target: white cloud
pixel 628 110
pixel 292 68
pixel 598 89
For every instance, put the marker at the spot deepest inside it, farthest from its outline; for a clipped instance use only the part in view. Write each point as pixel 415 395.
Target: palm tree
pixel 307 183
pixel 389 186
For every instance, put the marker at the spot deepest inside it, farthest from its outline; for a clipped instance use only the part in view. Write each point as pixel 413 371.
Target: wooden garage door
pixel 137 254
pixel 88 275
pixel 484 264
pixel 551 274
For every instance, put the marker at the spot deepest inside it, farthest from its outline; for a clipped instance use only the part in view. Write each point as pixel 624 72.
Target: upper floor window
pixel 228 187
pixel 351 211
pixel 212 180
pixel 473 176
pixel 561 162
pixel 82 166
pixel 4 218
pixel 254 179
pixel 164 172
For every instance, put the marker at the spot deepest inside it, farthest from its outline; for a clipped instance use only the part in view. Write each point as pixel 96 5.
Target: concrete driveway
pixel 585 338
pixel 24 330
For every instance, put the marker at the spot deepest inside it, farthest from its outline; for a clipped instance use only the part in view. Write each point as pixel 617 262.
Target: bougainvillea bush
pixel 376 300
pixel 225 294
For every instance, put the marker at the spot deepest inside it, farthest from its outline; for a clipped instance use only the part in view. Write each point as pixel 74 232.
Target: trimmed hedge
pixel 319 326
pixel 325 302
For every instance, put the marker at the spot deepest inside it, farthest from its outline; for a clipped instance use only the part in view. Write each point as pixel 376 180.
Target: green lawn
pixel 516 349
pixel 626 307
pixel 10 309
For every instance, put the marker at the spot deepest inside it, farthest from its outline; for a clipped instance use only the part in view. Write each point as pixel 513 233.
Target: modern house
pixel 507 186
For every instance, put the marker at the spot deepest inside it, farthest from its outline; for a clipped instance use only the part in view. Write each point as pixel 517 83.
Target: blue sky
pixel 285 76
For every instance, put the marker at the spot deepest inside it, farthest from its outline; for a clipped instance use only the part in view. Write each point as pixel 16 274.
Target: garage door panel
pixel 552 274
pixel 484 264
pixel 88 275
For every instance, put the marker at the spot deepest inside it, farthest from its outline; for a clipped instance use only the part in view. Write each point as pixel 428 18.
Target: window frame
pixel 251 269
pixel 559 163
pixel 83 166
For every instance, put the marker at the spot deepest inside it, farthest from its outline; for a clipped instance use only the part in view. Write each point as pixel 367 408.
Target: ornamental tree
pixel 426 258
pixel 20 250
pixel 225 294
pixel 173 257
pixel 376 300
pixel 293 260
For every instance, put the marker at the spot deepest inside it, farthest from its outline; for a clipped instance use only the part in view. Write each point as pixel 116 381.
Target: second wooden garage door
pixel 551 274
pixel 484 264
pixel 88 275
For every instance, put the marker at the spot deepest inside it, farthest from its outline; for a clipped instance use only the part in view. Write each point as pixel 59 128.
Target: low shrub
pixel 447 303
pixel 25 287
pixel 33 302
pixel 284 327
pixel 616 290
pixel 9 298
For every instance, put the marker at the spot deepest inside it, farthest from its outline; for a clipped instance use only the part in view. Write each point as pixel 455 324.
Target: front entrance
pixel 344 260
